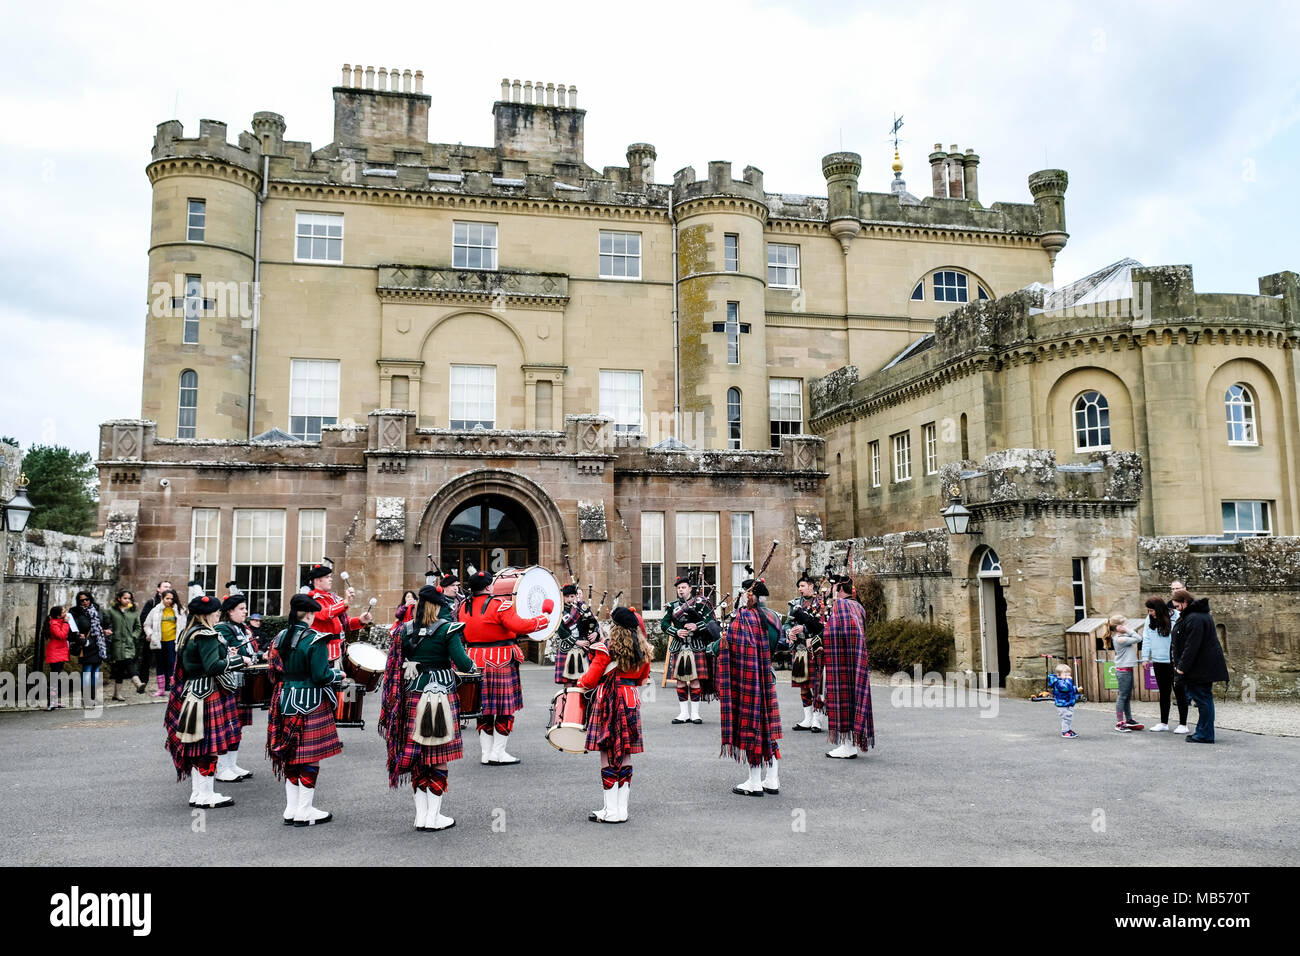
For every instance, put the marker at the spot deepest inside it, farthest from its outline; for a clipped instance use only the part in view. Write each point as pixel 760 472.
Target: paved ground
pixel 944 786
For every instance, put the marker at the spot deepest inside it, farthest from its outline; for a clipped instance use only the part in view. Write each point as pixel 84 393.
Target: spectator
pixel 52 652
pixel 1065 695
pixel 403 612
pixel 147 655
pixel 1198 660
pixel 1156 635
pixel 260 642
pixel 153 602
pixel 93 643
pixel 161 625
pixel 122 625
pixel 1126 643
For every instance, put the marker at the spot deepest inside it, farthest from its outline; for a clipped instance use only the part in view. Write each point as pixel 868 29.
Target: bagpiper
pixel 420 717
pixel 619 665
pixel 201 721
pixel 849 725
pixel 572 640
pixel 690 625
pixel 300 730
pixel 751 719
pixel 492 631
pixel 451 598
pixel 239 643
pixel 332 619
pixel 804 626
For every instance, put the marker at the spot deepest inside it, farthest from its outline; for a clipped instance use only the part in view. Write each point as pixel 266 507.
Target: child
pixel 1064 695
pixel 1126 642
pixel 55 652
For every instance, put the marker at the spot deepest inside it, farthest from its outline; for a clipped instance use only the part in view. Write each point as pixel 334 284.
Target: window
pixel 875 464
pixel 1243 519
pixel 1241 416
pixel 990 564
pixel 983 296
pixel 620 255
pixel 320 237
pixel 313 397
pixel 733 333
pixel 473 396
pixel 903 457
pixel 949 286
pixel 733 419
pixel 1079 587
pixel 205 530
pixel 782 266
pixel 652 562
pixel 918 294
pixel 931 449
pixel 311 540
pixel 785 408
pixel 196 220
pixel 259 558
pixel 697 534
pixel 620 399
pixel 1091 422
pixel 731 252
pixel 474 245
pixel 193 305
pixel 742 547
pixel 188 406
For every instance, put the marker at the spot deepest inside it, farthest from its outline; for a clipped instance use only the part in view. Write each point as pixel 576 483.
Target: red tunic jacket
pixel 596 673
pixel 492 627
pixel 332 619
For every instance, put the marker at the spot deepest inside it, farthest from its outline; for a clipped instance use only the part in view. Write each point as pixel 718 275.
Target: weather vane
pixel 893 130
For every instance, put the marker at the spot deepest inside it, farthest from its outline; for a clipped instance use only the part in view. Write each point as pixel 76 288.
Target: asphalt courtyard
pixel 945 785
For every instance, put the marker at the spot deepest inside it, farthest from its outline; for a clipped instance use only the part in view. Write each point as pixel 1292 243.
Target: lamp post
pixel 956 516
pixel 19 508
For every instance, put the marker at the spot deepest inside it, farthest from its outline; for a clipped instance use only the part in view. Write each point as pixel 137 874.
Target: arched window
pixel 733 418
pixel 1091 422
pixel 950 285
pixel 990 564
pixel 188 406
pixel 1240 404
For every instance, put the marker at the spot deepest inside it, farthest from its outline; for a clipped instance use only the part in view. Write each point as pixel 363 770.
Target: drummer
pixel 618 666
pixel 239 638
pixel 332 619
pixel 492 630
pixel 420 716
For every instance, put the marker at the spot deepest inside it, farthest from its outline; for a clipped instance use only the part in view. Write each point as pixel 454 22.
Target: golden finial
pixel 22 480
pixel 898 164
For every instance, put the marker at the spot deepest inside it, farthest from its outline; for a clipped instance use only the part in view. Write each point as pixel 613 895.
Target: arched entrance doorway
pixel 995 637
pixel 488 532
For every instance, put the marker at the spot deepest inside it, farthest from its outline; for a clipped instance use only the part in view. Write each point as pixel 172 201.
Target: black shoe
pixel 312 823
pixel 1198 740
pixel 800 727
pixel 681 720
pixel 697 720
pixel 771 789
pixel 816 730
pixel 746 793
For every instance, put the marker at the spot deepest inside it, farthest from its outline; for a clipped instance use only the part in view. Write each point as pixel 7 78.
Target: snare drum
pixel 568 728
pixel 469 694
pixel 364 663
pixel 529 588
pixel 257 688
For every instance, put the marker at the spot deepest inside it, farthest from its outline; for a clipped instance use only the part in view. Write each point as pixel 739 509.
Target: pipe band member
pixel 420 716
pixel 492 630
pixel 619 665
pixel 850 728
pixel 804 626
pixel 572 640
pixel 240 643
pixel 690 625
pixel 332 618
pixel 300 730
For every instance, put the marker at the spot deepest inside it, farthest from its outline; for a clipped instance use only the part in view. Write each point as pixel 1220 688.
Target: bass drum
pixel 568 725
pixel 529 587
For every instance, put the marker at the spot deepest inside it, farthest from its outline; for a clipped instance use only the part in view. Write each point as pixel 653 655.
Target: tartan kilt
pixel 614 726
pixel 305 738
pixel 245 716
pixel 220 729
pixel 559 669
pixel 502 692
pixel 701 666
pixel 419 755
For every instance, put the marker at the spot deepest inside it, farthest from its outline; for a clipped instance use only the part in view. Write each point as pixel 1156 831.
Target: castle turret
pixel 269 129
pixel 640 166
pixel 1048 187
pixel 721 305
pixel 841 171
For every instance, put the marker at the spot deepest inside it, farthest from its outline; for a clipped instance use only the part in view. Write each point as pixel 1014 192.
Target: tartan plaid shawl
pixel 751 722
pixel 848 679
pixel 392 712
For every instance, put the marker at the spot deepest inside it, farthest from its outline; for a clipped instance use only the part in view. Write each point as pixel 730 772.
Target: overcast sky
pixel 1177 122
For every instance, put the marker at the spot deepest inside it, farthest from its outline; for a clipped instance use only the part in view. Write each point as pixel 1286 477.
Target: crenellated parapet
pixel 719 192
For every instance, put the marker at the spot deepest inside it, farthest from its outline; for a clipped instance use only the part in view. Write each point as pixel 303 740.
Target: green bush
pixel 900 645
pixel 871 594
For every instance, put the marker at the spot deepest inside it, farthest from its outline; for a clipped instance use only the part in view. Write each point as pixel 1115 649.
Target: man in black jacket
pixel 1198 660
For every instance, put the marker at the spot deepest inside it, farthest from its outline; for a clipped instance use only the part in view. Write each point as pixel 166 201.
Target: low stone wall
pixel 1253 586
pixel 45 568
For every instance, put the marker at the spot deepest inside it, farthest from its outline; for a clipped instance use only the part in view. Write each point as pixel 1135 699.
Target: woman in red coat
pixel 54 649
pixel 619 665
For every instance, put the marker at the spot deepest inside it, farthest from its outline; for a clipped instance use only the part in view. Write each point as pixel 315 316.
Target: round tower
pixel 200 280
pixel 1048 187
pixel 722 273
pixel 841 171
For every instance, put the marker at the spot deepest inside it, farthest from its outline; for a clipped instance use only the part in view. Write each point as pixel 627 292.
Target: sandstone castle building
pixel 387 347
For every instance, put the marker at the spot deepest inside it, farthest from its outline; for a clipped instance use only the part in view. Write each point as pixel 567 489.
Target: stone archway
pixel 552 540
pixel 994 635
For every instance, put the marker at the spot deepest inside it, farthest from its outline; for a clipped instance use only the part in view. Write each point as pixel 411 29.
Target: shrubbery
pixel 900 645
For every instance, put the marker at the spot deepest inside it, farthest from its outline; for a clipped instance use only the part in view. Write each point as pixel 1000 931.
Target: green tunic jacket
pixel 434 649
pixel 204 655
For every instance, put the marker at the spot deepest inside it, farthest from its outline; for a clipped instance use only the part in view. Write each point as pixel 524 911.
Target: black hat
pixel 625 617
pixel 319 571
pixel 203 604
pixel 448 580
pixel 431 593
pixel 232 602
pixel 680 581
pixel 806 577
pixel 303 602
pixel 479 582
pixel 570 590
pixel 760 588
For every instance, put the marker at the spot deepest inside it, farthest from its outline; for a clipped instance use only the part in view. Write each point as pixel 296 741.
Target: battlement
pixel 169 142
pixel 719 183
